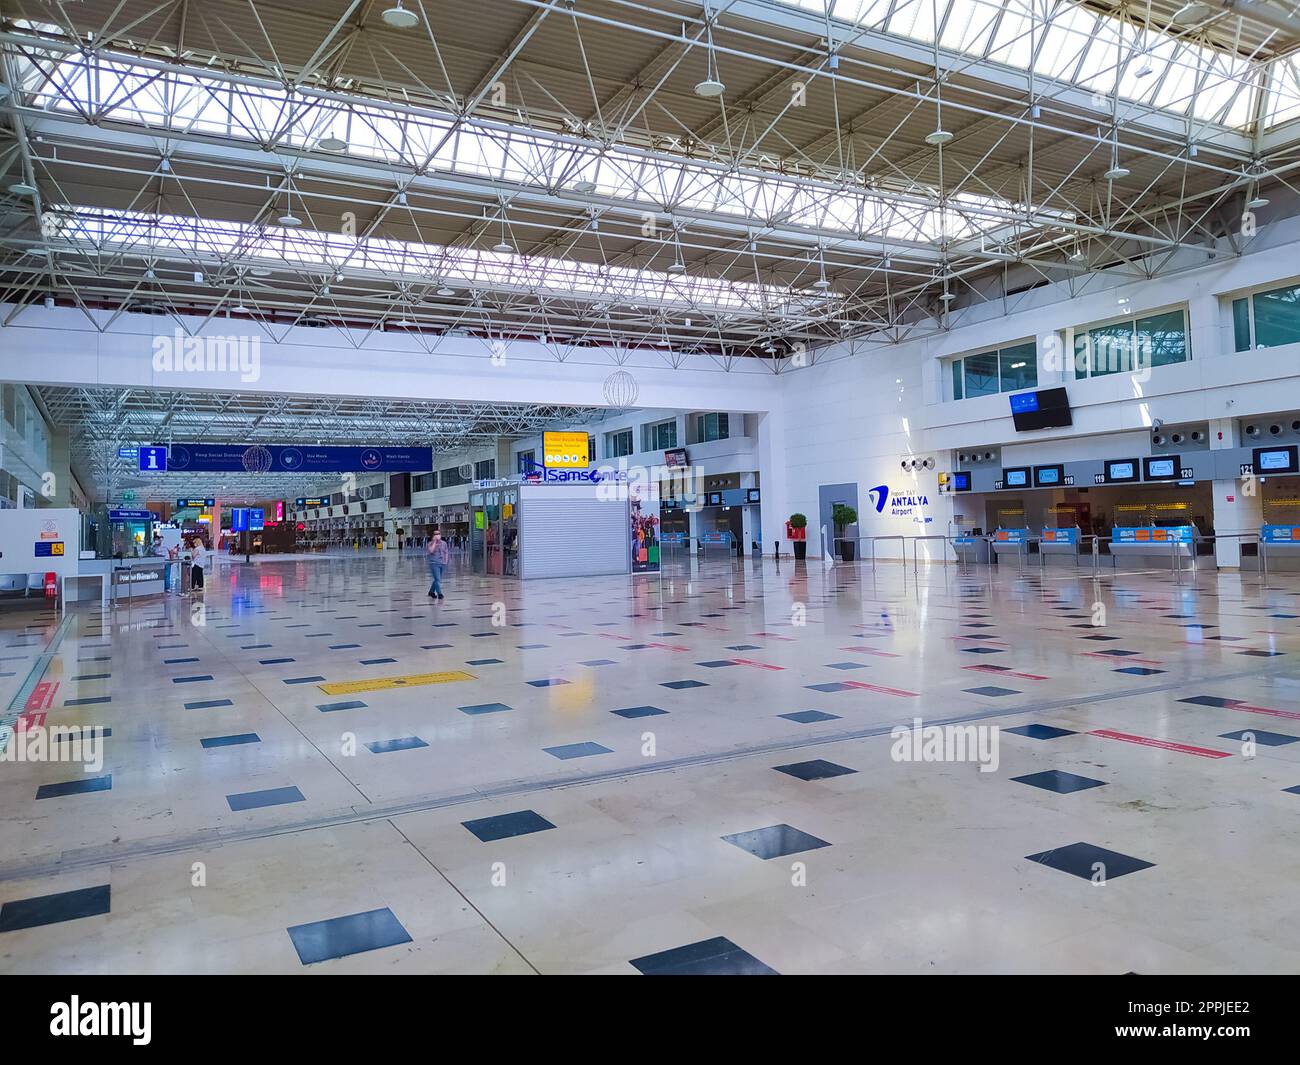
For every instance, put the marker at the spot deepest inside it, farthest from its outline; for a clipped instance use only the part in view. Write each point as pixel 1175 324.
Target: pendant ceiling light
pixel 399 18
pixel 712 84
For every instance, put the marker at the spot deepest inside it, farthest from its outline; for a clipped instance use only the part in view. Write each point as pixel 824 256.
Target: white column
pixel 1233 511
pixel 773 508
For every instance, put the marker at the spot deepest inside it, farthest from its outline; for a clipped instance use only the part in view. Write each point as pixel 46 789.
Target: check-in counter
pixel 128 578
pixel 1154 542
pixel 1280 546
pixel 971 549
pixel 1061 541
pixel 1010 541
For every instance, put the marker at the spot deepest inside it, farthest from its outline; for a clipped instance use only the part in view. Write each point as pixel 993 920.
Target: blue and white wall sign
pixel 910 505
pixel 310 458
pixel 153 459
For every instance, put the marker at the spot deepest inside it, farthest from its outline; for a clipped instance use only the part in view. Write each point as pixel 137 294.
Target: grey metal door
pixel 827 496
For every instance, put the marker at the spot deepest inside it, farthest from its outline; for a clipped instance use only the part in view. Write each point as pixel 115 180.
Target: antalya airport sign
pixel 901 504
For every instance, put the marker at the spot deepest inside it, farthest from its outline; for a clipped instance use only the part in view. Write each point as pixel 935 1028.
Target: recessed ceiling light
pixel 21 188
pixel 289 220
pixel 331 143
pixel 937 138
pixel 399 18
pixel 1116 173
pixel 709 87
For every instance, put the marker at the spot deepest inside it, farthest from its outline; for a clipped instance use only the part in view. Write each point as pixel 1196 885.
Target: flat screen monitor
pixel 1275 460
pixel 752 495
pixel 675 457
pixel 1161 468
pixel 1121 471
pixel 1047 408
pixel 714 499
pixel 1016 477
pixel 1049 476
pixel 959 481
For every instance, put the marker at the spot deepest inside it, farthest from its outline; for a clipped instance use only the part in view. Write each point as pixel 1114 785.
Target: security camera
pixel 904 465
pixel 961 456
pixel 1177 438
pixel 1275 429
pixel 1196 436
pixel 1158 440
pixel 988 456
pixel 928 464
pixel 1252 430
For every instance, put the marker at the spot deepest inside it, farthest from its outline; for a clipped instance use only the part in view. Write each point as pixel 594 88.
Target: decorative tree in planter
pixel 843 516
pixel 796 531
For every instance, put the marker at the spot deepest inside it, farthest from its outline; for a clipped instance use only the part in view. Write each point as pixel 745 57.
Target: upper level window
pixel 1131 344
pixel 990 372
pixel 485 469
pixel 424 482
pixel 659 435
pixel 618 444
pixel 525 461
pixel 711 427
pixel 1266 319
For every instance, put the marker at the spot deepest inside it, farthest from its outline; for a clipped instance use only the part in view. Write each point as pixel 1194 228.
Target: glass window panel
pixel 1241 325
pixel 1163 337
pixel 1277 317
pixel 981 374
pixel 1019 367
pixel 1111 349
pixel 956 379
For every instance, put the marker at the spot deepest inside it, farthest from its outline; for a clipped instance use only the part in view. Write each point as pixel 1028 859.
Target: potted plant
pixel 796 531
pixel 843 516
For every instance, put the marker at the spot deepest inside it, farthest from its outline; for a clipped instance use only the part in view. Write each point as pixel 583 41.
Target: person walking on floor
pixel 439 556
pixel 196 564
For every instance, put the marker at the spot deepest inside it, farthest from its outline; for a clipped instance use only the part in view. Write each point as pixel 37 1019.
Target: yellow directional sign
pixel 564 451
pixel 379 684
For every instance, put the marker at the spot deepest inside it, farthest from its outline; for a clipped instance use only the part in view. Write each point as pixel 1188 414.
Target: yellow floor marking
pixel 378 684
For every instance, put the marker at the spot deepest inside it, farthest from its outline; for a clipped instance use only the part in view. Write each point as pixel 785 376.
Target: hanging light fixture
pixel 821 283
pixel 331 143
pixel 939 136
pixel 399 18
pixel 1115 172
pixel 712 84
pixel 22 188
pixel 289 219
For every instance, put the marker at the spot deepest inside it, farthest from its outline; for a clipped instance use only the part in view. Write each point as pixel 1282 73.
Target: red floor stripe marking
pixel 613 636
pixel 1007 673
pixel 1165 745
pixel 751 662
pixel 42 697
pixel 668 646
pixel 1266 710
pixel 878 688
pixel 29 721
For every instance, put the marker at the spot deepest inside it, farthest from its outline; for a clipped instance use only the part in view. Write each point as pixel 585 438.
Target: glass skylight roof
pixel 207 242
pixel 1071 43
pixel 118 90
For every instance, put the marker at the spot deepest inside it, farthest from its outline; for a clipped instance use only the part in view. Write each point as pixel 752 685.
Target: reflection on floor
pixel 317 766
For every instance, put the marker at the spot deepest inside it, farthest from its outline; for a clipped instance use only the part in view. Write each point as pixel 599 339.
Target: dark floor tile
pixel 547 682
pixel 80 786
pixel 775 841
pixel 255 800
pixel 303 680
pixel 377 661
pixel 808 717
pixel 1040 732
pixel 274 661
pixel 1083 860
pixel 231 741
pixel 341 936
pixel 639 711
pixel 816 769
pixel 1264 739
pixel 709 957
pixel 845 665
pixel 1139 671
pixel 505 826
pixel 485 708
pixel 88 702
pixel 1059 781
pixel 593 662
pixel 983 650
pixel 18 914
pixel 191 680
pixel 208 704
pixel 678 685
pixel 576 750
pixel 992 690
pixel 1210 700
pixel 406 743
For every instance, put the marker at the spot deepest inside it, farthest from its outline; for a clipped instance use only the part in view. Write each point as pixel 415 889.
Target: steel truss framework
pixel 100 420
pixel 548 168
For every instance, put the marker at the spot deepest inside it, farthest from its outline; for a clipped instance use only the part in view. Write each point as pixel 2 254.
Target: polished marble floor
pixel 686 773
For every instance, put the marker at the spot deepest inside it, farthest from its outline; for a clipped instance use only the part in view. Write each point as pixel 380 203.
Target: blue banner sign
pixel 153 460
pixel 295 458
pixel 197 504
pixel 1151 534
pixel 128 453
pixel 256 519
pixel 672 538
pixel 239 519
pixel 131 515
pixel 715 538
pixel 1281 534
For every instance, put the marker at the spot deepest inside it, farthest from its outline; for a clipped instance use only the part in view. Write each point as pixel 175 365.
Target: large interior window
pixel 1131 345
pixel 987 373
pixel 1267 319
